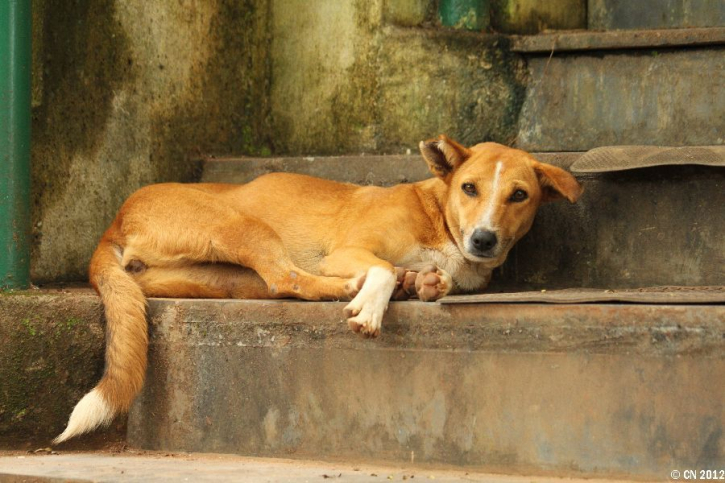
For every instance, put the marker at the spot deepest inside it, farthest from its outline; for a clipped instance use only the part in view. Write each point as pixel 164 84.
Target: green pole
pixel 15 66
pixel 464 14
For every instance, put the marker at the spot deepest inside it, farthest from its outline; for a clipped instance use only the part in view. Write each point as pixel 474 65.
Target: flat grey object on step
pixel 570 41
pixel 648 295
pixel 619 158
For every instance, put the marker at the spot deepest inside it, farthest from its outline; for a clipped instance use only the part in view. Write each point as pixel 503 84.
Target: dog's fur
pixel 287 235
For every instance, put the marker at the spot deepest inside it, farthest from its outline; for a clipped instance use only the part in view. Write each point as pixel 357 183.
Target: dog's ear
pixel 443 155
pixel 557 183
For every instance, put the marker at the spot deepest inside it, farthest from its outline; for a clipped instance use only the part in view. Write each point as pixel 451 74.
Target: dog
pixel 287 235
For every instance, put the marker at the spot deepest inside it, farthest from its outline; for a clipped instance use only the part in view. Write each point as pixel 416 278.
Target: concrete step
pixel 52 353
pixel 598 390
pixel 673 14
pixel 160 467
pixel 605 390
pixel 654 226
pixel 582 94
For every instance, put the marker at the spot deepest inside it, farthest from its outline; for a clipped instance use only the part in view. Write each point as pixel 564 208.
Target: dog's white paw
pixel 365 312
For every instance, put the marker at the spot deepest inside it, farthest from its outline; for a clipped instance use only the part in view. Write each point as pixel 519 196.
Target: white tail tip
pixel 91 412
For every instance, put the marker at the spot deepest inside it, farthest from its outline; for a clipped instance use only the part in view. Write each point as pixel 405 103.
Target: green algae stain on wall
pixel 323 75
pixel 132 94
pixel 467 86
pixel 381 88
pixel 85 59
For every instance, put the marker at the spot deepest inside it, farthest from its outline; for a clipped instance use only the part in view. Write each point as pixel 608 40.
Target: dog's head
pixel 493 192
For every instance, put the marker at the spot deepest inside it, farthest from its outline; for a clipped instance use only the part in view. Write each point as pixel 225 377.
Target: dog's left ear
pixel 557 183
pixel 443 155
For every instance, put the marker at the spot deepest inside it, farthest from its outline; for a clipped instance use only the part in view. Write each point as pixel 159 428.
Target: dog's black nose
pixel 483 242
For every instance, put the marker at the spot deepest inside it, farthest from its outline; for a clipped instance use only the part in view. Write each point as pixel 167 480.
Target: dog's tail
pixel 126 344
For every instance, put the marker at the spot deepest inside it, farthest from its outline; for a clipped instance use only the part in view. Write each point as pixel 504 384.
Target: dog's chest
pixel 466 275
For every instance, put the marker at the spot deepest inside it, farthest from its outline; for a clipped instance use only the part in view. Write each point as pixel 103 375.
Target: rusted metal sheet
pixel 596 390
pixel 617 40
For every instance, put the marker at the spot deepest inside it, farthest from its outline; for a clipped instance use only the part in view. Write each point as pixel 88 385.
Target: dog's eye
pixel 469 189
pixel 518 196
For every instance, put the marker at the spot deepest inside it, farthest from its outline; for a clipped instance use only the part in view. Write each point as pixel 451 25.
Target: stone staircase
pixel 606 390
pixel 599 389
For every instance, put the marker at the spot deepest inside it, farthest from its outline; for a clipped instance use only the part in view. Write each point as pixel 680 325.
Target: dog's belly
pixel 309 260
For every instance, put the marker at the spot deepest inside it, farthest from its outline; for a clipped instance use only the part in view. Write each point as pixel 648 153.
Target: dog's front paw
pixel 365 312
pixel 432 283
pixel 364 318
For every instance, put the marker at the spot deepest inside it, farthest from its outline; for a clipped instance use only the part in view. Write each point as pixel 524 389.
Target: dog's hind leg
pixel 204 280
pixel 192 230
pixel 251 243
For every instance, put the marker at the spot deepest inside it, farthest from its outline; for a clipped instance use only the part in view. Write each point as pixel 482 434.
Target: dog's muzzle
pixel 483 243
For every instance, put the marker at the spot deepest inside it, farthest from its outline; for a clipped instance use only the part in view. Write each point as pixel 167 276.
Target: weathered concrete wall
pixel 130 91
pixel 324 74
pixel 410 13
pixel 533 16
pixel 380 88
pixel 460 83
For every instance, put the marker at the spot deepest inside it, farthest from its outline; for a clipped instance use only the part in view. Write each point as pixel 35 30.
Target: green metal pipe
pixel 15 66
pixel 464 14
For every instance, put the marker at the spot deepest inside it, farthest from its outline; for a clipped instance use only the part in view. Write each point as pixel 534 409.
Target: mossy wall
pixel 354 76
pixel 131 93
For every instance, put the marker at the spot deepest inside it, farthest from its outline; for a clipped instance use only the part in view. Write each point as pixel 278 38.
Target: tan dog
pixel 287 235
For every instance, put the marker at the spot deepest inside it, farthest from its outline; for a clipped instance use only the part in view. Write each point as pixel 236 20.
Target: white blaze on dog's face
pixel 493 194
